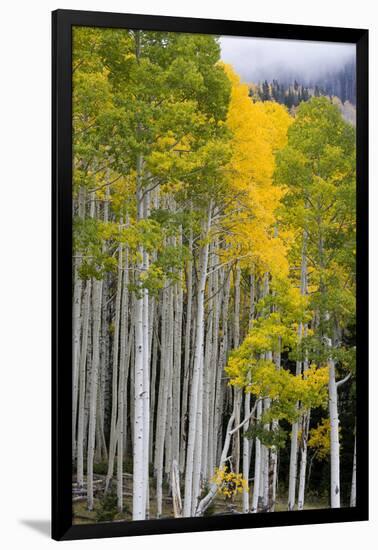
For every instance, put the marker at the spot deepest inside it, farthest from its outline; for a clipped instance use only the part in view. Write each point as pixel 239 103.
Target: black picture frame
pixel 62 23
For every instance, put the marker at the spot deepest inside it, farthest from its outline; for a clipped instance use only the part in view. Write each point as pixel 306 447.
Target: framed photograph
pixel 210 210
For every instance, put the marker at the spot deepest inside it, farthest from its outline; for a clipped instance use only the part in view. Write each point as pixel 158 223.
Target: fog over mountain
pixel 258 59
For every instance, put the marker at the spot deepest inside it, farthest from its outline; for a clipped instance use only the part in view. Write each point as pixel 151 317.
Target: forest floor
pixel 81 515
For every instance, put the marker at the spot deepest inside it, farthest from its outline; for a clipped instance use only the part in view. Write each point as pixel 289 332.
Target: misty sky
pixel 256 59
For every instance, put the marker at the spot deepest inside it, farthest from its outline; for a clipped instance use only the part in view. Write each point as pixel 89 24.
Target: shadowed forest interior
pixel 213 282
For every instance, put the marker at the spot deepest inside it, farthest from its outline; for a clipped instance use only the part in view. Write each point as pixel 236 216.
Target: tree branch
pixel 341 382
pixel 248 417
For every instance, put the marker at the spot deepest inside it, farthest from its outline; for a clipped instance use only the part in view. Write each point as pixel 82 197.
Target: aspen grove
pixel 213 287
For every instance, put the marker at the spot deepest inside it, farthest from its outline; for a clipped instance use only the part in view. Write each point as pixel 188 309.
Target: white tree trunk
pixel 303 464
pixel 96 308
pixel 273 474
pixel 146 390
pixel 257 473
pixel 230 430
pixel 176 383
pixel 141 393
pixel 153 385
pixel 176 493
pixel 188 340
pixel 334 435
pixel 220 386
pixel 138 467
pixel 265 465
pixel 82 378
pixel 197 373
pixel 273 471
pixel 206 501
pixel 113 420
pixel 76 332
pixel 293 467
pixel 206 393
pixel 214 364
pixel 121 425
pixel 125 350
pixel 76 321
pixel 237 391
pixel 161 419
pixel 168 422
pixel 247 401
pixel 236 439
pixel 197 468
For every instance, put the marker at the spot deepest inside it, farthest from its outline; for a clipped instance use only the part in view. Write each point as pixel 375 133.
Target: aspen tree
pixel 195 395
pixel 113 421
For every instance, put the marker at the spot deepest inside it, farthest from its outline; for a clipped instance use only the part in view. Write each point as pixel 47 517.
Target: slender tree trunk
pixel 76 320
pixel 206 501
pixel 96 308
pixel 206 393
pixel 83 382
pixel 132 372
pixel 100 435
pixel 168 421
pixel 146 390
pixel 247 401
pixel 121 425
pixel 76 332
pixel 197 373
pixel 188 326
pixel 138 468
pixel 220 387
pixel 212 438
pixel 176 493
pixel 257 473
pixel 303 464
pixel 236 439
pixel 113 420
pixel 273 469
pixel 293 466
pixel 161 418
pixel 153 383
pixel 295 428
pixel 264 490
pixel 141 393
pixel 237 391
pixel 230 430
pixel 334 435
pixel 104 367
pixel 273 474
pixel 197 468
pixel 176 384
